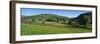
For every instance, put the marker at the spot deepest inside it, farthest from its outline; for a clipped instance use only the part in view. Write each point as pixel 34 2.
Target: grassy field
pixel 50 28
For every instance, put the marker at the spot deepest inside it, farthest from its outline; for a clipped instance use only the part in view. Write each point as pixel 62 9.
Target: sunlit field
pixel 55 28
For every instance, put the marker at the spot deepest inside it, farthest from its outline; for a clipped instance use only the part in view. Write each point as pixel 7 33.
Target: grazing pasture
pixel 51 28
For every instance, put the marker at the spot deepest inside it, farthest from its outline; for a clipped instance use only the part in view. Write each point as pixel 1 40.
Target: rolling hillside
pixel 55 24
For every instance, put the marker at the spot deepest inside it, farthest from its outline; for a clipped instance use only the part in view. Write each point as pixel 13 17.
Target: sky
pixel 36 11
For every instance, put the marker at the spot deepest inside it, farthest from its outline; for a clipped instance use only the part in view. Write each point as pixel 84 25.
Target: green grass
pixel 50 28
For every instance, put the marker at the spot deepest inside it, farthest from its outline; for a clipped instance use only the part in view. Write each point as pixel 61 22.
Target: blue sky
pixel 36 11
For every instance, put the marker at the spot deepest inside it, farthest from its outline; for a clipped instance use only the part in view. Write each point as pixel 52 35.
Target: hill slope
pixel 84 19
pixel 46 17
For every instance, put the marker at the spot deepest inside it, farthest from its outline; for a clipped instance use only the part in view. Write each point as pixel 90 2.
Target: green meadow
pixel 50 28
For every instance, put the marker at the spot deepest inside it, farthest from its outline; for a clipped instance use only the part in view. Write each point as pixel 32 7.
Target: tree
pixel 69 22
pixel 64 20
pixel 44 20
pixel 51 19
pixel 33 19
pixel 57 19
pixel 86 21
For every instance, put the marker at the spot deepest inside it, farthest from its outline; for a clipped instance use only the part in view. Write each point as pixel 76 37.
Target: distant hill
pixel 46 17
pixel 89 14
pixel 84 19
pixel 49 16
